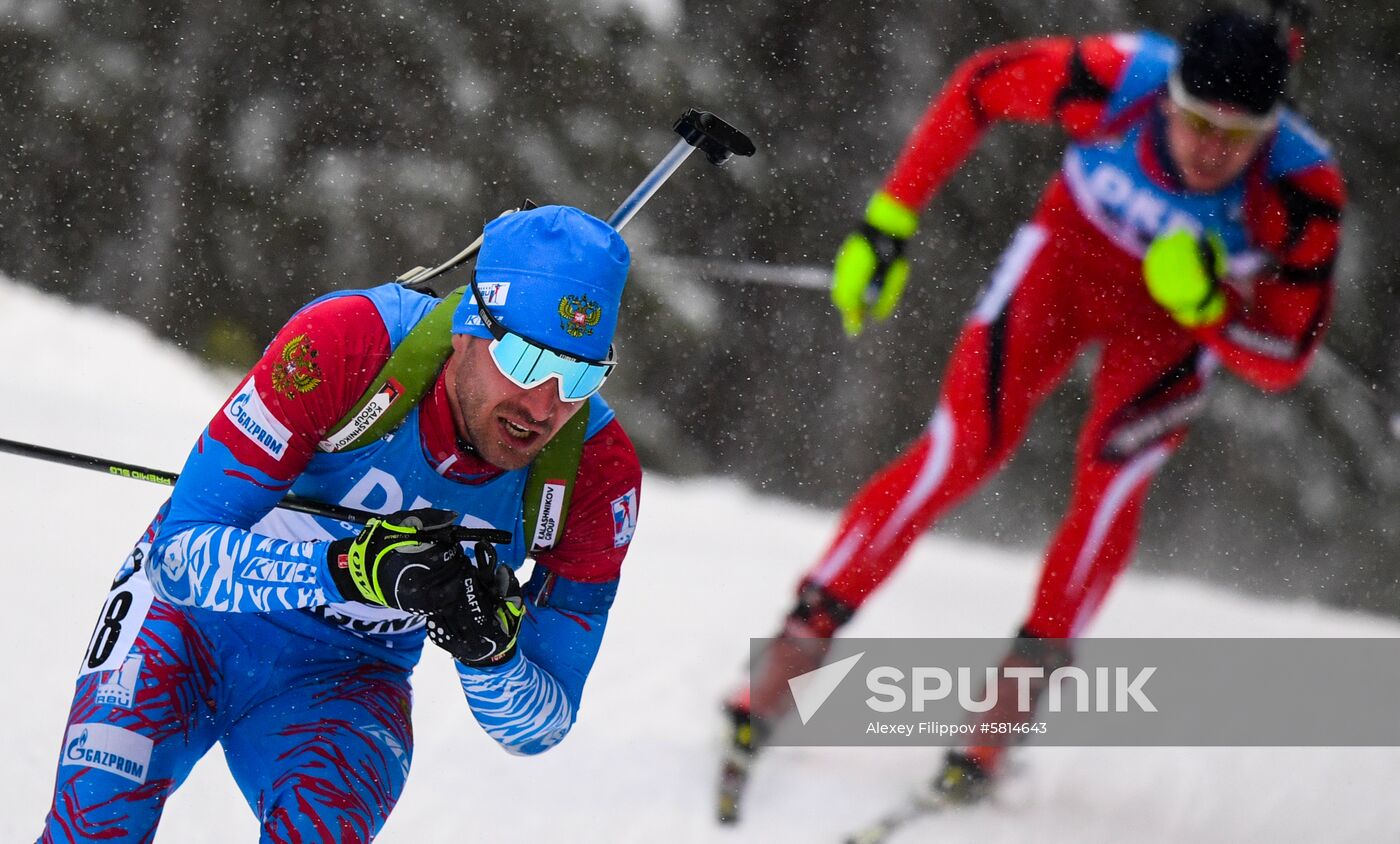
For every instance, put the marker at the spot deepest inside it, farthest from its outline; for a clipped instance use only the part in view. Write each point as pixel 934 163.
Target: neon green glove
pixel 1183 273
pixel 871 269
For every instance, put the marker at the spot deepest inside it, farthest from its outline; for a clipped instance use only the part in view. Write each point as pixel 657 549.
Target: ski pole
pixel 698 130
pixel 1386 402
pixel 818 277
pixel 1294 21
pixel 156 476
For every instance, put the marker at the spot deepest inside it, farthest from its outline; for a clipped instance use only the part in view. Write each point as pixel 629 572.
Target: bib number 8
pixel 123 614
pixel 109 628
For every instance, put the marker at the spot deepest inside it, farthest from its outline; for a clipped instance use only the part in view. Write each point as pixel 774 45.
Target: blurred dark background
pixel 208 166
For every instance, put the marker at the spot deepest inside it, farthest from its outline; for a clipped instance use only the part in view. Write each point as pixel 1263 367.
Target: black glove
pixel 481 629
pixel 411 560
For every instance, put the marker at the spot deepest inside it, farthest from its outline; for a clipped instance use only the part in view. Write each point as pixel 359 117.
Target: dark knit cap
pixel 1229 57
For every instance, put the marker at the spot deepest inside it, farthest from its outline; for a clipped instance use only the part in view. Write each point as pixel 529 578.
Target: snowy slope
pixel 711 565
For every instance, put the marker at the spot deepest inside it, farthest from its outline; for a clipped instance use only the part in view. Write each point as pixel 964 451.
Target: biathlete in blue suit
pixel 289 638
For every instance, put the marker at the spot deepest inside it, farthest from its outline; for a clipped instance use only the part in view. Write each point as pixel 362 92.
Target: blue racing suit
pixel 224 624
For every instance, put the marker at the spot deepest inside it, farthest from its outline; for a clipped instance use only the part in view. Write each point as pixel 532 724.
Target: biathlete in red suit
pixel 1195 222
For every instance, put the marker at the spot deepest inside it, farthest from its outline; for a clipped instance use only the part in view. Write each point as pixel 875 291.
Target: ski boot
pixel 963 780
pixel 800 647
pixel 745 737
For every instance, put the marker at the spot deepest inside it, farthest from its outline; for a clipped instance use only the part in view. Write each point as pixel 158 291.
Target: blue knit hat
pixel 552 274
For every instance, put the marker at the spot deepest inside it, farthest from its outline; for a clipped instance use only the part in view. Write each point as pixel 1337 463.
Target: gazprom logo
pixel 248 413
pixel 108 748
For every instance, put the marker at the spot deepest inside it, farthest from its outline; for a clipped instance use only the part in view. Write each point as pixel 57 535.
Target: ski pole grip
pixel 466 534
pixel 712 136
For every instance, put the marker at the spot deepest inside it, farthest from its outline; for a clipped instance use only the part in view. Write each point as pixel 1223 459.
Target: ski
pixel 962 782
pixel 733 776
pixel 918 805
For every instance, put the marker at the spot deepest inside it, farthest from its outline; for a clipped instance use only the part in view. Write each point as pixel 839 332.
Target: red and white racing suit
pixel 1072 277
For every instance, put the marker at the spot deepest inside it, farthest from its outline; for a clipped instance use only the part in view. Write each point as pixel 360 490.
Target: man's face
pixel 1207 156
pixel 506 423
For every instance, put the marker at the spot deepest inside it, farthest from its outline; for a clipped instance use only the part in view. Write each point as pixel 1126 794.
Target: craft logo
pixel 547 526
pixel 108 748
pixel 369 414
pixel 248 413
pixel 579 315
pixel 118 688
pixel 298 372
pixel 469 588
pixel 624 512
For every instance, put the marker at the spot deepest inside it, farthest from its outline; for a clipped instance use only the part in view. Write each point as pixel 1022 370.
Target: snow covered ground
pixel 712 565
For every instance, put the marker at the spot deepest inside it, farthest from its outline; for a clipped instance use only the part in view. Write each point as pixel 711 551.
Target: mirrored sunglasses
pixel 527 363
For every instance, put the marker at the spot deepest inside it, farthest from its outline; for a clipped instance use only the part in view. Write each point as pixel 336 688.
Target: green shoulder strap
pixel 406 378
pixel 550 486
pixel 401 384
